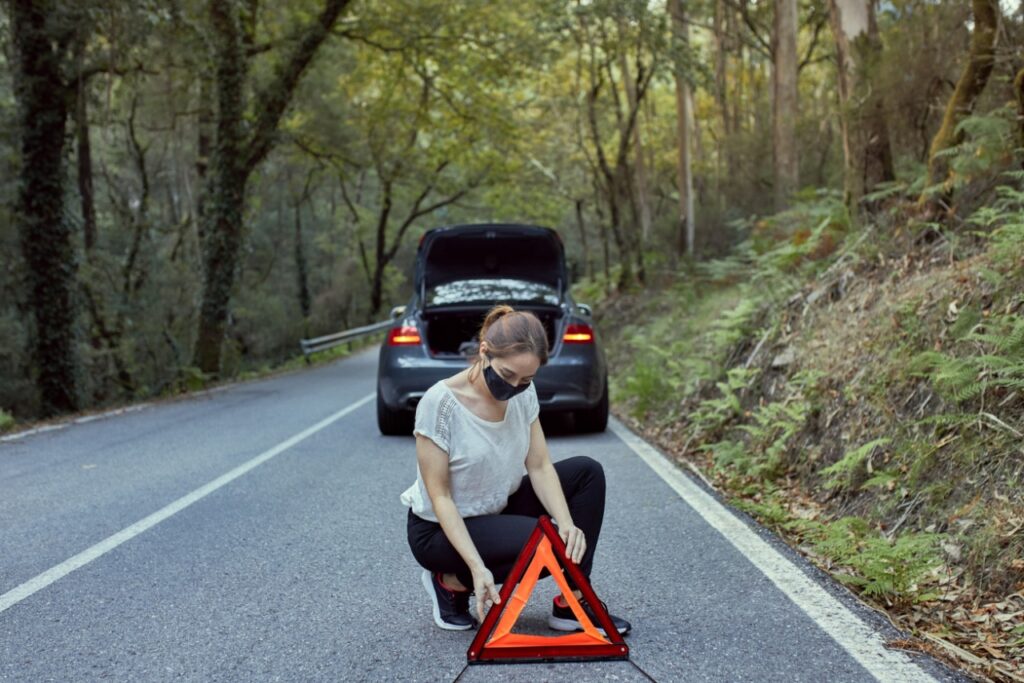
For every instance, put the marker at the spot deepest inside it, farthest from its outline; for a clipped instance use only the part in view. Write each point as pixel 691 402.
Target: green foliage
pixel 888 190
pixel 761 455
pixel 842 473
pixel 193 379
pixel 773 426
pixel 594 291
pixel 6 421
pixel 647 383
pixel 987 138
pixel 895 569
pixel 1005 218
pixel 713 413
pixel 967 377
pixel 770 511
pixel 734 324
pixel 809 384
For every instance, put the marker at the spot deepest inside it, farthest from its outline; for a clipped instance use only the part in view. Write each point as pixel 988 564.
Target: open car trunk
pixel 495 252
pixel 451 332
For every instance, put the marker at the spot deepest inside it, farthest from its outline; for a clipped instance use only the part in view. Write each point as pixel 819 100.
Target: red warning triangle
pixel 495 641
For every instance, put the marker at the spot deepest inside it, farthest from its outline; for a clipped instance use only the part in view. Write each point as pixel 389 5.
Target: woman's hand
pixel 575 543
pixel 483 588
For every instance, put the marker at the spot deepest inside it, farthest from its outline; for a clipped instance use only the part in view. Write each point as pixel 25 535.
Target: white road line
pixel 853 635
pixel 19 593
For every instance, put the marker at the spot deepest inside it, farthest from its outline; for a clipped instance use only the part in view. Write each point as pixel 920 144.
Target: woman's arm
pixel 433 464
pixel 549 491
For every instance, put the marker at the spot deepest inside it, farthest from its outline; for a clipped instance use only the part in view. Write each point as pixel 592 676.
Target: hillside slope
pixel 861 392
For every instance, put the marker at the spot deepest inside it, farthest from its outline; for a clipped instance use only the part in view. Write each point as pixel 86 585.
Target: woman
pixel 484 476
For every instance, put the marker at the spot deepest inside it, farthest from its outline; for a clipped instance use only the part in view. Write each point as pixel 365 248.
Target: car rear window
pixel 487 291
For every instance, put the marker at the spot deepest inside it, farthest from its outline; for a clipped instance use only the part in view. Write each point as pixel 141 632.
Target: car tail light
pixel 403 336
pixel 578 333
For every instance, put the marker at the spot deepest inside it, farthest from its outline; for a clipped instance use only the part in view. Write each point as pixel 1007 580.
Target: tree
pixel 1018 91
pixel 684 104
pixel 43 33
pixel 784 111
pixel 980 61
pixel 237 152
pixel 867 153
pixel 612 170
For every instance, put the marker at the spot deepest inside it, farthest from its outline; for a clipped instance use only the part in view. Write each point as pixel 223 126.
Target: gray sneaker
pixel 562 618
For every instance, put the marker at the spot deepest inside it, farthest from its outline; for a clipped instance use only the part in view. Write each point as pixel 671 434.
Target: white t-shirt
pixel 486 459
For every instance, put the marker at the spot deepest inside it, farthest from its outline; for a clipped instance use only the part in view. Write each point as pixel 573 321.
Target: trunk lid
pixel 491 261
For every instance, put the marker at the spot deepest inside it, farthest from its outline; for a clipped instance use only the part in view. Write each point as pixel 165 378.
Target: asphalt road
pixel 255 533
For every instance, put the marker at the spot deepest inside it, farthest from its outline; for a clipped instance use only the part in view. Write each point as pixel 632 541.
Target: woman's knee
pixel 587 466
pixel 581 473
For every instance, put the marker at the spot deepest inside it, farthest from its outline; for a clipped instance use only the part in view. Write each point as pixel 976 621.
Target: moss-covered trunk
pixel 970 86
pixel 223 204
pixel 44 234
pixel 85 187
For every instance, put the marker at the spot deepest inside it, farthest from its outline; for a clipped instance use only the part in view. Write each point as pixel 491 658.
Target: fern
pixel 881 479
pixel 713 413
pixel 949 420
pixel 886 190
pixel 841 472
pixel 892 569
pixel 734 325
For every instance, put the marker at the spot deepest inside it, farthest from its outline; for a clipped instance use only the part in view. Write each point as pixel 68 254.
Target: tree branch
pixel 274 98
pixel 809 57
pixel 759 43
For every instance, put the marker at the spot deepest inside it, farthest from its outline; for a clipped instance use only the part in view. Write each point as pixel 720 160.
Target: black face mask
pixel 500 389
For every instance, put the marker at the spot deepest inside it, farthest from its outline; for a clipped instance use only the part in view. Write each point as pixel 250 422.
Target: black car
pixel 461 272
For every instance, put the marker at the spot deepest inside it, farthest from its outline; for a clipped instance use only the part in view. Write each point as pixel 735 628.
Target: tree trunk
pixel 638 177
pixel 44 234
pixel 588 267
pixel 605 251
pixel 225 187
pixel 204 147
pixel 300 268
pixel 684 176
pixel 867 153
pixel 1018 89
pixel 972 82
pixel 85 188
pixel 236 156
pixel 724 155
pixel 377 284
pixel 784 80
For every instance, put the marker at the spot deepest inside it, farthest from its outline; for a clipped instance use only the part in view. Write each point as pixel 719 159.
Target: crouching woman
pixel 484 476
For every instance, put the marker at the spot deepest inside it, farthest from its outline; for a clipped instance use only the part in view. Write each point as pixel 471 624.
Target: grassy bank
pixel 860 390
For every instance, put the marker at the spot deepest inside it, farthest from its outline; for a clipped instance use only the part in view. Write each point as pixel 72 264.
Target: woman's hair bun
pixel 519 333
pixel 493 315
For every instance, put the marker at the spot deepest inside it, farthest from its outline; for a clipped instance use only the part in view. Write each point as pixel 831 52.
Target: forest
pixel 800 223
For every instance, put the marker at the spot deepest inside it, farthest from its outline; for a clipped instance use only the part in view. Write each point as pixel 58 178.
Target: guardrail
pixel 329 341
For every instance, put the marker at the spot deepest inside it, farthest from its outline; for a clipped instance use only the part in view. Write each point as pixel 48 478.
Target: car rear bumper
pixel 572 382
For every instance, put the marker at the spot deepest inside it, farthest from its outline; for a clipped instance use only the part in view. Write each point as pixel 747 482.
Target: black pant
pixel 499 538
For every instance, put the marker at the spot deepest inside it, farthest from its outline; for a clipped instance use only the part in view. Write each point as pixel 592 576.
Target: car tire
pixel 594 419
pixel 393 422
